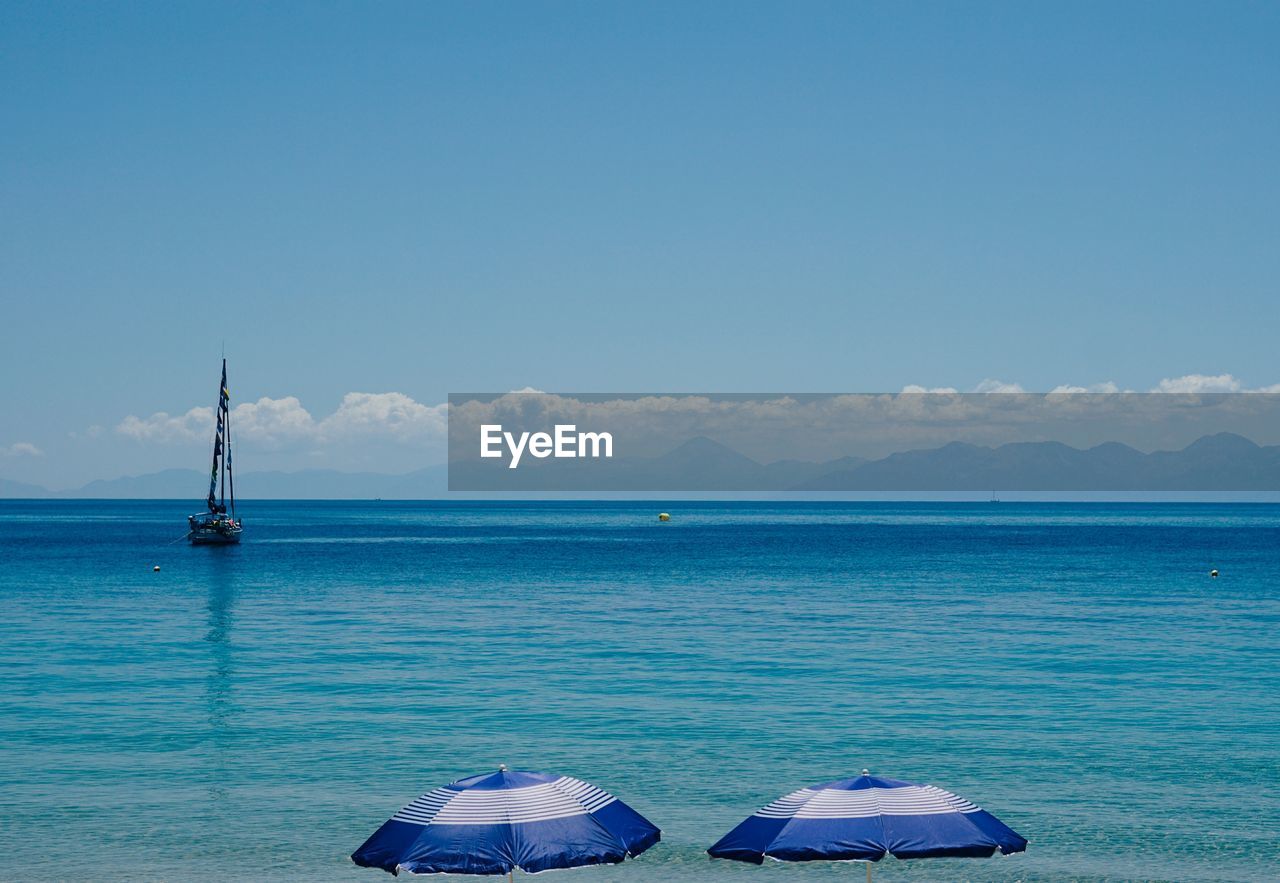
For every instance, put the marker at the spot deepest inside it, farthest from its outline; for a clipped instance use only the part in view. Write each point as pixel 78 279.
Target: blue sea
pixel 256 711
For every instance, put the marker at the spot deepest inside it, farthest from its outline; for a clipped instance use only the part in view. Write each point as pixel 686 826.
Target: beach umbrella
pixel 865 819
pixel 497 822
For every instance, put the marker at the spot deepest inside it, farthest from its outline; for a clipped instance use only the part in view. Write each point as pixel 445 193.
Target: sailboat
pixel 219 525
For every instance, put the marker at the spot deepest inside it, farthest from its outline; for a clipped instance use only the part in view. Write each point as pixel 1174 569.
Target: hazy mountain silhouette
pixel 308 484
pixel 20 489
pixel 1221 462
pixel 163 485
pixel 789 474
pixel 698 464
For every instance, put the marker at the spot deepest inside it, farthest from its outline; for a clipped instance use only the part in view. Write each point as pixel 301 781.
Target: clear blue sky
pixel 425 198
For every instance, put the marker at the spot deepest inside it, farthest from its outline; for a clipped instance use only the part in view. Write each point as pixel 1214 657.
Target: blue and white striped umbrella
pixel 865 819
pixel 498 822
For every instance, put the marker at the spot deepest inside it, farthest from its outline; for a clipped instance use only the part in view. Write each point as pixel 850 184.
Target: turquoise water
pixel 261 709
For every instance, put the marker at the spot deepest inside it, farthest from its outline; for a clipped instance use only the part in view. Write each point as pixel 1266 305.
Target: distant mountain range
pixel 1222 462
pixel 308 484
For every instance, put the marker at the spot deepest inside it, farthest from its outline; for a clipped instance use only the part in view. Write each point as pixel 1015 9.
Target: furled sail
pixel 223 418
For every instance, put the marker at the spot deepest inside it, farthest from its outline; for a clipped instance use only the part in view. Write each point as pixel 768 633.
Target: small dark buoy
pixel 156 569
pixel 1214 573
pixel 663 516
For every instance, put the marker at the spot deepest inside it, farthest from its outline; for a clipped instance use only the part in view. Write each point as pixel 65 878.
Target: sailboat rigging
pixel 219 525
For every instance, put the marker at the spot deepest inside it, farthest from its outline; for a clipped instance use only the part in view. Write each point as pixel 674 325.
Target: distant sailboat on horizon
pixel 219 525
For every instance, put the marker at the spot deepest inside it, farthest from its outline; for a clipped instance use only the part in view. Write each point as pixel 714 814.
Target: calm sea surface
pixel 260 710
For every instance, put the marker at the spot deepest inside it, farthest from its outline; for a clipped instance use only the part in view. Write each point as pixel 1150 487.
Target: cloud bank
pixel 283 422
pixel 1187 383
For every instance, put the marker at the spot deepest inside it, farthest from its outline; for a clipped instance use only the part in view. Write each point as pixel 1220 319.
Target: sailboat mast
pixel 222 407
pixel 212 500
pixel 231 480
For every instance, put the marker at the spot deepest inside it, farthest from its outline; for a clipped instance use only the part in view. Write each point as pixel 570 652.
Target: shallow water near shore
pixel 259 710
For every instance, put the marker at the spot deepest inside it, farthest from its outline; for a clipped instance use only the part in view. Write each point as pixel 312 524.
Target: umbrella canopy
pixel 865 819
pixel 497 822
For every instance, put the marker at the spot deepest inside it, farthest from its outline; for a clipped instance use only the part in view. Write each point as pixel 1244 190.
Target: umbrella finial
pixel 502 767
pixel 866 772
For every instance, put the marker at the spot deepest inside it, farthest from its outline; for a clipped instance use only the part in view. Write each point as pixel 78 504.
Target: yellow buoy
pixel 663 516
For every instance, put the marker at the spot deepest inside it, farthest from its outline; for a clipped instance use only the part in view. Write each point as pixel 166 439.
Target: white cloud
pixel 388 414
pixel 272 421
pixel 990 385
pixel 1198 383
pixel 1188 383
pixel 1206 383
pixel 282 421
pixel 161 427
pixel 1068 389
pixel 21 449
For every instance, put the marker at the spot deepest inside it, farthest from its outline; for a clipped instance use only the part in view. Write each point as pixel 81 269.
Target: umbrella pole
pixel 868 872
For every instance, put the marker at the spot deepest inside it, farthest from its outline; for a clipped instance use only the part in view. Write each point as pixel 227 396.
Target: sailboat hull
pixel 214 533
pixel 215 538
